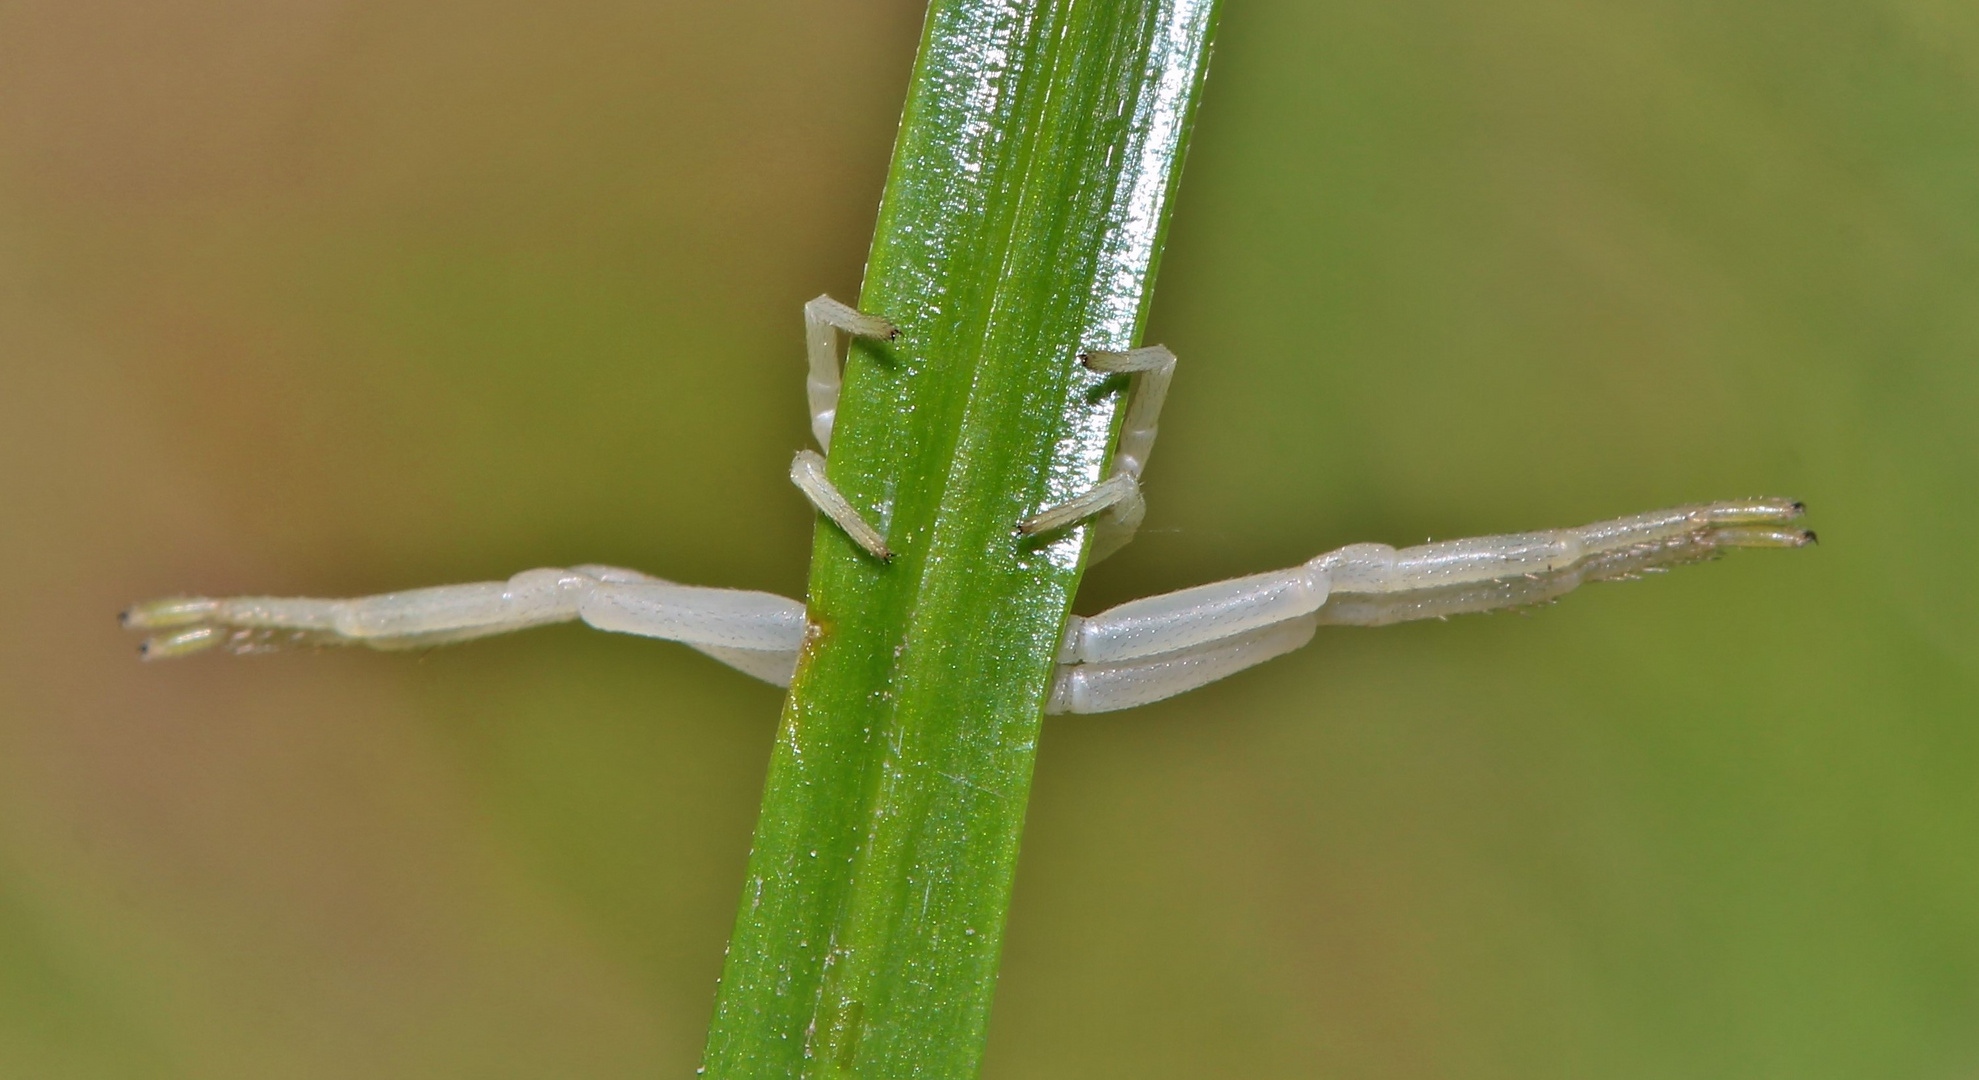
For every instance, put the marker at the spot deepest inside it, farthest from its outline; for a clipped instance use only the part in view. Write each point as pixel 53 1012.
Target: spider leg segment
pixel 1153 368
pixel 824 320
pixel 1107 687
pixel 1121 491
pixel 1159 646
pixel 1186 618
pixel 1116 501
pixel 751 631
pixel 807 471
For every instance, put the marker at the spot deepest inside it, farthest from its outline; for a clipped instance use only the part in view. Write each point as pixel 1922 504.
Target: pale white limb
pixel 1152 368
pixel 807 471
pixel 752 631
pixel 774 665
pixel 1112 492
pixel 1115 504
pixel 775 668
pixel 1186 618
pixel 1378 568
pixel 1097 688
pixel 1164 645
pixel 824 320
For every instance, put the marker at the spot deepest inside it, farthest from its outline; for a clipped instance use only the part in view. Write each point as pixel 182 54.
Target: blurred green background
pixel 339 296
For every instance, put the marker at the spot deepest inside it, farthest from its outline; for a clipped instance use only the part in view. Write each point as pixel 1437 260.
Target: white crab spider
pixel 1139 652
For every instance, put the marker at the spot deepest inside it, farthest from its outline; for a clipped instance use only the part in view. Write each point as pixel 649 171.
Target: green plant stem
pixel 1021 225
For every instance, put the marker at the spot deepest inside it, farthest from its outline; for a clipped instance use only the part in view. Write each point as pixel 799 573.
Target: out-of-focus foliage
pixel 329 297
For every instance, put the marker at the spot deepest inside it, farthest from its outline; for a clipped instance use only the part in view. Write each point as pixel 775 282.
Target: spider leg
pixel 824 320
pixel 751 631
pixel 807 471
pixel 1115 502
pixel 1159 646
pixel 1186 618
pixel 1688 532
pixel 773 665
pixel 1106 687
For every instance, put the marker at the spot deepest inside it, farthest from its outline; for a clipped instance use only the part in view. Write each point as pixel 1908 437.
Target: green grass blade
pixel 1022 222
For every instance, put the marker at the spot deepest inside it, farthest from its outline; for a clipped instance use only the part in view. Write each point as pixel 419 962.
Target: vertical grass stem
pixel 1021 225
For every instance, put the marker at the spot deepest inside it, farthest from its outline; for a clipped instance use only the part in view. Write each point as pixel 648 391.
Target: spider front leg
pixel 824 320
pixel 1116 502
pixel 1109 687
pixel 757 633
pixel 1149 649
